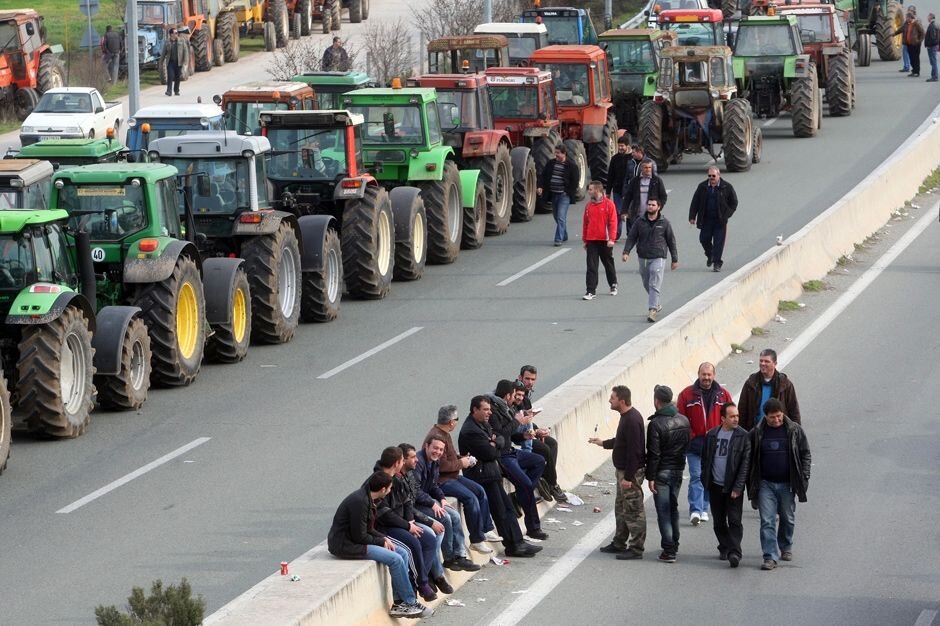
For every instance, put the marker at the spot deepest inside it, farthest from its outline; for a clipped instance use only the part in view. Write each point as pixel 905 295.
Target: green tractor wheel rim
pixel 332 275
pixel 187 320
pixel 453 215
pixel 384 233
pixel 138 368
pixel 239 316
pixel 287 282
pixel 72 373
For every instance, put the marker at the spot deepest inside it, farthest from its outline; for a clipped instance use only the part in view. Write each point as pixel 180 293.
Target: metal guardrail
pixel 639 20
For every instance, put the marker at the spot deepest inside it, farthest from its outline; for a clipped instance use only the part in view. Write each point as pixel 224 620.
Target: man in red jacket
pixel 701 402
pixel 599 232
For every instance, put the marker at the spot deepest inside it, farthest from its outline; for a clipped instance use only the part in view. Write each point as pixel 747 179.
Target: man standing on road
pixel 111 45
pixel 780 469
pixel 932 42
pixel 174 57
pixel 726 461
pixel 560 179
pixel 640 189
pixel 762 385
pixel 667 440
pixel 599 234
pixel 335 58
pixel 701 403
pixel 653 237
pixel 713 204
pixel 629 459
pixel 912 32
pixel 617 178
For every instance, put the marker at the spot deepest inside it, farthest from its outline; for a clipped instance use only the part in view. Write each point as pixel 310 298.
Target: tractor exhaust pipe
pixel 86 268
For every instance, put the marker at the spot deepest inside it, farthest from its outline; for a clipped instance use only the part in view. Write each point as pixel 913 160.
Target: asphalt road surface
pixel 221 481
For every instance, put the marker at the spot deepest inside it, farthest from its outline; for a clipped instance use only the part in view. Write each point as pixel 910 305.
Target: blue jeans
pixel 666 499
pixel 397 564
pixel 476 506
pixel 775 499
pixel 698 496
pixel 932 57
pixel 523 469
pixel 425 550
pixel 618 202
pixel 560 204
pixel 453 541
pixel 906 59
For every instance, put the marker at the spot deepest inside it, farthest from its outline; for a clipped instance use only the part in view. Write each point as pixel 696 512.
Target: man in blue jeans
pixel 558 181
pixel 667 441
pixel 931 42
pixel 353 536
pixel 779 474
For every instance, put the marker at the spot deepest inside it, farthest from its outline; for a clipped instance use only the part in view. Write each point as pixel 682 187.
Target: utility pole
pixel 608 14
pixel 488 11
pixel 133 63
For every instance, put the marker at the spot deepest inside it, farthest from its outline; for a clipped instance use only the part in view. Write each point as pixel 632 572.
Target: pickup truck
pixel 72 112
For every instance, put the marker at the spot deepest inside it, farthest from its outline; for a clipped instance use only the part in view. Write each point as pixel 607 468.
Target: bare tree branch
pixel 302 55
pixel 390 50
pixel 444 18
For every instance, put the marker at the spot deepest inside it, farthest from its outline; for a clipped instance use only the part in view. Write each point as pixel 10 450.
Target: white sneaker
pixel 704 516
pixel 613 290
pixel 695 518
pixel 588 296
pixel 482 548
pixel 492 535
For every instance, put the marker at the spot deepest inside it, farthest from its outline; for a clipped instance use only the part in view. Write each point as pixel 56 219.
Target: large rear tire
pixel 445 215
pixel 51 73
pixel 650 134
pixel 175 313
pixel 295 26
pixel 56 390
pixel 889 44
pixel 202 49
pixel 728 8
pixel 600 154
pixel 226 30
pixel 323 287
pixel 524 185
pixel 368 242
pixel 218 53
pixel 576 153
pixel 24 101
pixel 411 233
pixel 127 390
pixel 803 104
pixel 229 343
pixel 839 84
pixel 270 37
pixel 496 175
pixel 306 19
pixel 864 49
pixel 474 220
pixel 365 9
pixel 737 135
pixel 276 14
pixel 326 18
pixel 6 423
pixel 337 12
pixel 273 266
pixel 355 11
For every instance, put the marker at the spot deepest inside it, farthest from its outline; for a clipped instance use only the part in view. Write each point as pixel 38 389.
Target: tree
pixel 173 606
pixel 444 18
pixel 389 49
pixel 302 55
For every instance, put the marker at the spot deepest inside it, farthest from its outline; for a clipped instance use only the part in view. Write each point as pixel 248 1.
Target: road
pixel 286 444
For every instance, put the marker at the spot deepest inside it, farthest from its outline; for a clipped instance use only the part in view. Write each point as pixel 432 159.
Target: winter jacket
pixel 653 239
pixel 335 60
pixel 571 178
pixel 667 440
pixel 475 439
pixel 631 196
pixel 182 52
pixel 449 465
pixel 629 453
pixel 913 32
pixel 617 173
pixel 600 221
pixel 412 491
pixel 749 400
pixel 633 170
pixel 727 202
pixel 353 527
pixel 932 36
pixel 691 404
pixel 395 509
pixel 739 460
pixel 504 424
pixel 427 474
pixel 800 459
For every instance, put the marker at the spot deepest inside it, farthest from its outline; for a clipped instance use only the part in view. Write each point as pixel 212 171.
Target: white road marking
pixel 365 355
pixel 769 122
pixel 533 267
pixel 926 617
pixel 135 474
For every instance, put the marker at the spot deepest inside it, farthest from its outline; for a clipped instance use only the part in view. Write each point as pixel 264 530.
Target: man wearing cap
pixel 667 441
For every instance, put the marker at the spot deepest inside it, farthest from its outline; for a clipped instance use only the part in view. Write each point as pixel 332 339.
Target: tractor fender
pixel 269 222
pixel 108 340
pixel 429 165
pixel 313 229
pixel 402 199
pixel 143 267
pixel 218 276
pixel 468 187
pixel 341 193
pixel 479 143
pixel 519 156
pixel 42 308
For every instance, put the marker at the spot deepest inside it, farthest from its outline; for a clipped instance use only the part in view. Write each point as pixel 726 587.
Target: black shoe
pixel 521 551
pixel 169 94
pixel 515 504
pixel 708 263
pixel 630 555
pixel 913 75
pixel 538 534
pixel 904 70
pixel 467 565
pixel 427 592
pixel 559 493
pixel 531 547
pixel 667 557
pixel 443 586
pixel 544 490
pixel 733 560
pixel 453 565
pixel 176 94
pixel 612 548
pixel 722 555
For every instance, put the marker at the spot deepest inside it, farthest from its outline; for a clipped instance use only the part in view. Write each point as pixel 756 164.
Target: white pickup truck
pixel 72 112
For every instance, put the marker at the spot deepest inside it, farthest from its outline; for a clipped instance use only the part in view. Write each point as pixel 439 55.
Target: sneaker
pixel 931 80
pixel 905 69
pixel 453 565
pixel 559 493
pixel 538 533
pixel 704 516
pixel 659 308
pixel 492 535
pixel 545 490
pixel 558 243
pixel 667 557
pixel 420 610
pixel 467 565
pixel 629 555
pixel 695 518
pixel 482 548
pixel 613 289
pixel 612 548
pixel 427 593
pixel 443 586
pixel 768 565
pixel 733 560
pixel 588 296
pixel 651 317
pixel 402 609
pixel 786 556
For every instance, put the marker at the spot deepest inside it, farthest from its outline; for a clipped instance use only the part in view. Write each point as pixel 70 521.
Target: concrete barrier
pixel 356 592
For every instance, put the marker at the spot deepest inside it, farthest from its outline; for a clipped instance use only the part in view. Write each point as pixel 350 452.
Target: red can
pixel 283 568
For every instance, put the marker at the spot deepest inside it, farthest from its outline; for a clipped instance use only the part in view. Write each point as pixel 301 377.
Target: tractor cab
pixel 330 86
pixel 694 27
pixel 566 25
pixel 170 120
pixel 692 77
pixel 463 104
pixel 522 100
pixel 580 74
pixel 768 36
pixel 524 39
pixel 24 184
pixel 469 53
pixel 155 18
pixel 243 104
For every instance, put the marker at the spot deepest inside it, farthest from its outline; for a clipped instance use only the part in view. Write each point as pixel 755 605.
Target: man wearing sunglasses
pixel 713 204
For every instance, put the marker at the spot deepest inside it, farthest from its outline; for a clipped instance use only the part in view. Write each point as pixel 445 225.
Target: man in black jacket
pixel 779 473
pixel 931 42
pixel 629 459
pixel 478 439
pixel 558 181
pixel 667 440
pixel 617 178
pixel 353 536
pixel 726 460
pixel 639 190
pixel 653 237
pixel 713 204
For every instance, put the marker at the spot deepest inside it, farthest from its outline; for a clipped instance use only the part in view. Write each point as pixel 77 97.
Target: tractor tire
pixel 218 53
pixel 270 37
pixel 728 8
pixel 323 287
pixel 803 103
pixel 365 9
pixel 650 134
pixel 411 233
pixel 819 102
pixel 56 390
pixel 474 220
pixel 326 20
pixel 737 135
pixel 273 266
pixel 51 73
pixel 202 49
pixel 889 44
pixel 127 390
pixel 368 242
pixel 576 153
pixel 306 17
pixel 355 11
pixel 600 154
pixel 758 142
pixel 24 101
pixel 524 185
pixel 496 175
pixel 190 68
pixel 174 311
pixel 864 49
pixel 839 85
pixel 162 70
pixel 295 26
pixel 445 215
pixel 229 343
pixel 276 14
pixel 337 12
pixel 6 423
pixel 226 31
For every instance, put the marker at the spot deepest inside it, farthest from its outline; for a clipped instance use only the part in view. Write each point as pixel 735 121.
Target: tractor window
pixel 9 36
pixel 105 212
pixel 306 154
pixel 514 102
pixel 600 81
pixel 571 83
pixel 764 40
pixel 521 47
pixel 563 29
pixel 692 74
pixel 169 209
pixel 693 34
pixel 392 124
pixel 457 109
pixel 434 125
pixel 17 268
pixel 718 71
pixel 60 256
pixel 31 42
pixel 814 28
pixel 64 103
pixel 45 270
pixel 261 178
pixel 10 199
pixel 547 110
pixel 483 102
pixel 37 196
pixel 633 56
pixel 228 183
pixel 243 116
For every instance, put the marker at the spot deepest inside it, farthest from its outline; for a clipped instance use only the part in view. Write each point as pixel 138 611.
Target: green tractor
pixel 774 74
pixel 24 184
pixel 874 18
pixel 404 145
pixel 69 152
pixel 330 86
pixel 143 255
pixel 287 259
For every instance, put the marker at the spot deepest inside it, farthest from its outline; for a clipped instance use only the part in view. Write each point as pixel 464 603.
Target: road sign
pixel 89 7
pixel 90 38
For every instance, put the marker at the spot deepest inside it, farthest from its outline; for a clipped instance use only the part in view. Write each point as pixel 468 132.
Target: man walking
pixel 599 233
pixel 642 188
pixel 667 440
pixel 713 204
pixel 726 461
pixel 912 32
pixel 629 459
pixel 335 57
pixel 780 469
pixel 932 42
pixel 111 46
pixel 560 179
pixel 763 385
pixel 174 57
pixel 653 237
pixel 617 178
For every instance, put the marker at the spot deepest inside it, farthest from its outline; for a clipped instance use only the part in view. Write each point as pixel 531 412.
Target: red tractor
pixel 585 108
pixel 28 65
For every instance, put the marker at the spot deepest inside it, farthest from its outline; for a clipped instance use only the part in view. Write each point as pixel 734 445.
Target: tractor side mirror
pixel 30 29
pixel 217 99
